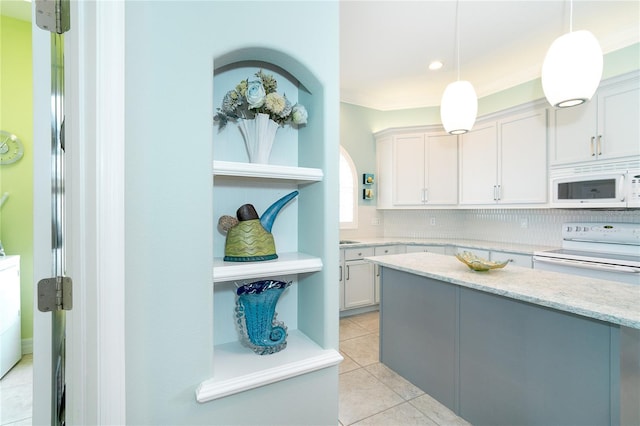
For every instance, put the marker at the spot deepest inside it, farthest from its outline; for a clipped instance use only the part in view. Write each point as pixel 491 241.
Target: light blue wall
pixel 358 123
pixel 170 51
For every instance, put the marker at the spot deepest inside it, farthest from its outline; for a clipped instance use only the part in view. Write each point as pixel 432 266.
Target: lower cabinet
pixel 422 248
pixel 358 289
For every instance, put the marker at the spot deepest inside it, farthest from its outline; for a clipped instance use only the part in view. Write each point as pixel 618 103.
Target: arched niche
pixel 293 147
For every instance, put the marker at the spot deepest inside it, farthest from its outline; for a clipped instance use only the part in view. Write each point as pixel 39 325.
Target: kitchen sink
pixel 348 242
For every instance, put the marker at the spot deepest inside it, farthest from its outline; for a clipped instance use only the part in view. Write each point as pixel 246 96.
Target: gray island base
pixel 497 360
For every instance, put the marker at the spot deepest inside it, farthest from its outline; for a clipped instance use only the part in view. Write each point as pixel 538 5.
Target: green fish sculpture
pixel 249 237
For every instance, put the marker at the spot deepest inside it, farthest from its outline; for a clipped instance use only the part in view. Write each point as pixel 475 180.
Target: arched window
pixel 348 191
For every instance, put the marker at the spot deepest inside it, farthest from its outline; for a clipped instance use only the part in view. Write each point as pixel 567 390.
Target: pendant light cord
pixel 457 39
pixel 570 16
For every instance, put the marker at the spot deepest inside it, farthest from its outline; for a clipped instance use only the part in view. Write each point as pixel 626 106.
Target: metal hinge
pixel 55 294
pixel 53 15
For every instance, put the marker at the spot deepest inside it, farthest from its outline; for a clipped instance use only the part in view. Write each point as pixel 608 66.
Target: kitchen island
pixel 515 345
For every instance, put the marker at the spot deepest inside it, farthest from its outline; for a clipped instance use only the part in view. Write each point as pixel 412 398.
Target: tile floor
pixel 371 393
pixel 16 394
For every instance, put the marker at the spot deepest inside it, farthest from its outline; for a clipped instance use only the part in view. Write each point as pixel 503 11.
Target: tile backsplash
pixel 528 226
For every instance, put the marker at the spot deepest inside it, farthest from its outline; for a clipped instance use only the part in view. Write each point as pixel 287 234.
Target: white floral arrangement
pixel 259 97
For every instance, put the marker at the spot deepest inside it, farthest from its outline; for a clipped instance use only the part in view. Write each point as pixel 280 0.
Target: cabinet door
pixel 384 179
pixel 426 249
pixel 341 279
pixel 573 133
pixel 523 158
pixel 359 284
pixel 618 129
pixel 478 165
pixel 441 169
pixel 516 259
pixel 408 170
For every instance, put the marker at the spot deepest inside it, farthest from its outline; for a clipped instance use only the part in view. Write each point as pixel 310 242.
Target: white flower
pixel 255 94
pixel 299 114
pixel 275 103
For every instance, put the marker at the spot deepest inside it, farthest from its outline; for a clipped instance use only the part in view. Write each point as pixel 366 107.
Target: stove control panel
pixel 612 233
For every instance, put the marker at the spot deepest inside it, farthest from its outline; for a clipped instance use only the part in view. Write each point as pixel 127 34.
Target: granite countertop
pixel 527 249
pixel 609 301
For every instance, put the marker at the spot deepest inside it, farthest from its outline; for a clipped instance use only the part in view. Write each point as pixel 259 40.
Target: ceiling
pixel 386 46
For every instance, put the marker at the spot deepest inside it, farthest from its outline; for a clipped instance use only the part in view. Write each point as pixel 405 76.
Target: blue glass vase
pixel 256 316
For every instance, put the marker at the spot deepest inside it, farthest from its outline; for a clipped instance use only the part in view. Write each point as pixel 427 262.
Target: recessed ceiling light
pixel 435 65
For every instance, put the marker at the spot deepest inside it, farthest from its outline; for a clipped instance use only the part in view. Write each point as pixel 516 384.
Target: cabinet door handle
pixel 425 196
pixel 347 273
pixel 499 192
pixel 377 270
pixel 593 138
pixel 599 144
pixel 495 193
pixel 340 273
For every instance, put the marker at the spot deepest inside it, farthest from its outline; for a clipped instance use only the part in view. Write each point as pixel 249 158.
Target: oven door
pixel 603 271
pixel 605 190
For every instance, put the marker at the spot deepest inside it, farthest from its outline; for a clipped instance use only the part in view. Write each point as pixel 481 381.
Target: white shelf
pixel 286 263
pixel 238 369
pixel 267 171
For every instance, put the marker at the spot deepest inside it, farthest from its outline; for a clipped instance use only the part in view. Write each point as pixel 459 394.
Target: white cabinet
pixel 425 169
pixel 605 128
pixel 423 248
pixel 416 169
pixel 517 259
pixel 10 328
pixel 358 278
pixel 504 160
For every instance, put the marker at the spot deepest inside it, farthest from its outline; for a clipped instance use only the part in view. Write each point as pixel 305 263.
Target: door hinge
pixel 53 15
pixel 55 294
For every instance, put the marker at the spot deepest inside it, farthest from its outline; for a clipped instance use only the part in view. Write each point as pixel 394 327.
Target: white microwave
pixel 597 190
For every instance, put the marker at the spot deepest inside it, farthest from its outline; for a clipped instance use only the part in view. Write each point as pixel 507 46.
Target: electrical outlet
pixel 433 221
pixel 524 222
pixel 375 221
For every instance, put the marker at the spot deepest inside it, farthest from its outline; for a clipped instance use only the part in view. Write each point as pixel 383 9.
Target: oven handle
pixel 589 265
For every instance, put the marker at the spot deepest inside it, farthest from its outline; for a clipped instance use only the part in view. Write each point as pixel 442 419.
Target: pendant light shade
pixel 459 107
pixel 459 104
pixel 572 69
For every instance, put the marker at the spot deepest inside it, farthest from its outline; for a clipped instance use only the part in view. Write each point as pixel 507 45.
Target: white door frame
pixel 94 61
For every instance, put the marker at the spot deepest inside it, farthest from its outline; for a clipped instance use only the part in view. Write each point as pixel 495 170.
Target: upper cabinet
pixel 504 160
pixel 418 169
pixel 605 128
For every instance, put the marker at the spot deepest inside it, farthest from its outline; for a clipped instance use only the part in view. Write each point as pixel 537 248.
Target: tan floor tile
pixel 347 364
pixel 362 396
pixel 369 321
pixel 437 412
pixel 350 329
pixel 364 350
pixel 400 415
pixel 393 380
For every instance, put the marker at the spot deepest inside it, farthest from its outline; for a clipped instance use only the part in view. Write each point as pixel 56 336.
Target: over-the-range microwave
pixel 597 190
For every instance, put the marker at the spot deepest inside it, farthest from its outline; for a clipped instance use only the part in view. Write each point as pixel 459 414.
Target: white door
pixel 408 170
pixel 479 165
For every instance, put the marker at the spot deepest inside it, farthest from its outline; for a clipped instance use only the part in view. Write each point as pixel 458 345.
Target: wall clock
pixel 11 148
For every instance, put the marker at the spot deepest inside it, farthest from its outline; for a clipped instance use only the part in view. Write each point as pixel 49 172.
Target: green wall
pixel 16 112
pixel 357 124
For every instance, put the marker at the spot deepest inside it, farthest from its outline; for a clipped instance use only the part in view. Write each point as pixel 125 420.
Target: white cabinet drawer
pixel 382 250
pixel 358 253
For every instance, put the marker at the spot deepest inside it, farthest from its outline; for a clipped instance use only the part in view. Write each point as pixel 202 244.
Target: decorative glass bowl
pixel 479 264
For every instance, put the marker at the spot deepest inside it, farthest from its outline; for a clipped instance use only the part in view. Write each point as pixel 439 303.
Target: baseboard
pixel 27 346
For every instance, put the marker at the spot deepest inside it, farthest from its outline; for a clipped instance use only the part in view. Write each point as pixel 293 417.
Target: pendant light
pixel 459 104
pixel 572 68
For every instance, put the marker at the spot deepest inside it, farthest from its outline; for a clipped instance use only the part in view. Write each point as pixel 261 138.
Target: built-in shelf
pixel 237 368
pixel 285 264
pixel 267 171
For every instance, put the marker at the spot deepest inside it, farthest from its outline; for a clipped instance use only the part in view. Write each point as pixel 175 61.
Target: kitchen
pixel 168 201
pixel 521 228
